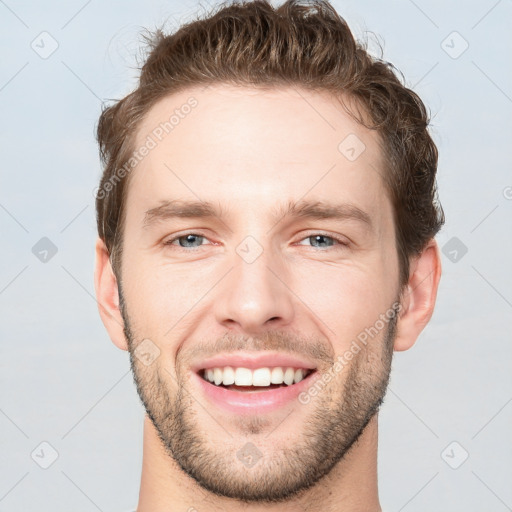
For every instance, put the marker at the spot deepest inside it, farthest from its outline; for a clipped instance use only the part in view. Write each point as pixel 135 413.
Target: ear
pixel 107 296
pixel 419 296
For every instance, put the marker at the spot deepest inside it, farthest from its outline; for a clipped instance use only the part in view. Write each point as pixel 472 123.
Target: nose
pixel 254 296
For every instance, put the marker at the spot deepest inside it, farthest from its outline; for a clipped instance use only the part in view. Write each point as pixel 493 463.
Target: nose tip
pixel 253 299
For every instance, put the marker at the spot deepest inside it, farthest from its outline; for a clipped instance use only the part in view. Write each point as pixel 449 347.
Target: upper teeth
pixel 259 377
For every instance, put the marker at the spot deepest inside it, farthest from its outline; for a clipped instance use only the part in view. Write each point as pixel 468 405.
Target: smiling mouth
pixel 250 381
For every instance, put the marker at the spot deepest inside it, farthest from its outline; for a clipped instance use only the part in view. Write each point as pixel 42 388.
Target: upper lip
pixel 253 361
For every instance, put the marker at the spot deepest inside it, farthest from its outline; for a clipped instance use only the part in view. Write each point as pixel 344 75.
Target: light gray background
pixel 63 382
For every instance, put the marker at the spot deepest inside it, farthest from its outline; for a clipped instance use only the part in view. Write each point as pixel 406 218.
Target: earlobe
pixel 419 296
pixel 107 296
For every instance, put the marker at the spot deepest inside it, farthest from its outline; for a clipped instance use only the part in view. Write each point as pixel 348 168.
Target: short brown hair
pixel 310 46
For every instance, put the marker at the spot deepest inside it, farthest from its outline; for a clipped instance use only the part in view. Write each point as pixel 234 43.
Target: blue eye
pixel 189 238
pixel 321 237
pixel 191 241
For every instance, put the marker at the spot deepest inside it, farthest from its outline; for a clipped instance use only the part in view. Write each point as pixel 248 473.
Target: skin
pixel 252 150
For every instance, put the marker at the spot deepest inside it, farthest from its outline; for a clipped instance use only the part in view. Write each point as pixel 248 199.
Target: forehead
pixel 243 144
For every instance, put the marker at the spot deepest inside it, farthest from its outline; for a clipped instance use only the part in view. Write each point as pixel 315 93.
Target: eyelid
pixel 175 236
pixel 341 240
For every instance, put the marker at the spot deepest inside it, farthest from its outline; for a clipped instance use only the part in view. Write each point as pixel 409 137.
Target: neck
pixel 350 487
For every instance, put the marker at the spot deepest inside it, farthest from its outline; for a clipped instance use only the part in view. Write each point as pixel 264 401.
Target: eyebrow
pixel 298 209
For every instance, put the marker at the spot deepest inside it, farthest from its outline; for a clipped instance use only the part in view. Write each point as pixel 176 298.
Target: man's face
pixel 252 280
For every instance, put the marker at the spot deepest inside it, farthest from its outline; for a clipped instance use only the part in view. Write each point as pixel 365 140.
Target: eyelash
pixel 340 242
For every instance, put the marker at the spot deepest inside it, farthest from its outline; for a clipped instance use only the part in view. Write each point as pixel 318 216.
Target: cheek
pixel 161 297
pixel 345 299
pixel 341 297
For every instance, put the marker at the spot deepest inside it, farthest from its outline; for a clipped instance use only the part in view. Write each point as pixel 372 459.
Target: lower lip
pixel 253 402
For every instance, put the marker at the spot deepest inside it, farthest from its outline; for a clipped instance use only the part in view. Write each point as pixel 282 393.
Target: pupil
pixel 189 238
pixel 320 237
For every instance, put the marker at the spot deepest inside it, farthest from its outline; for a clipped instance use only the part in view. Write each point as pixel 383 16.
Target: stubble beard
pixel 336 419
